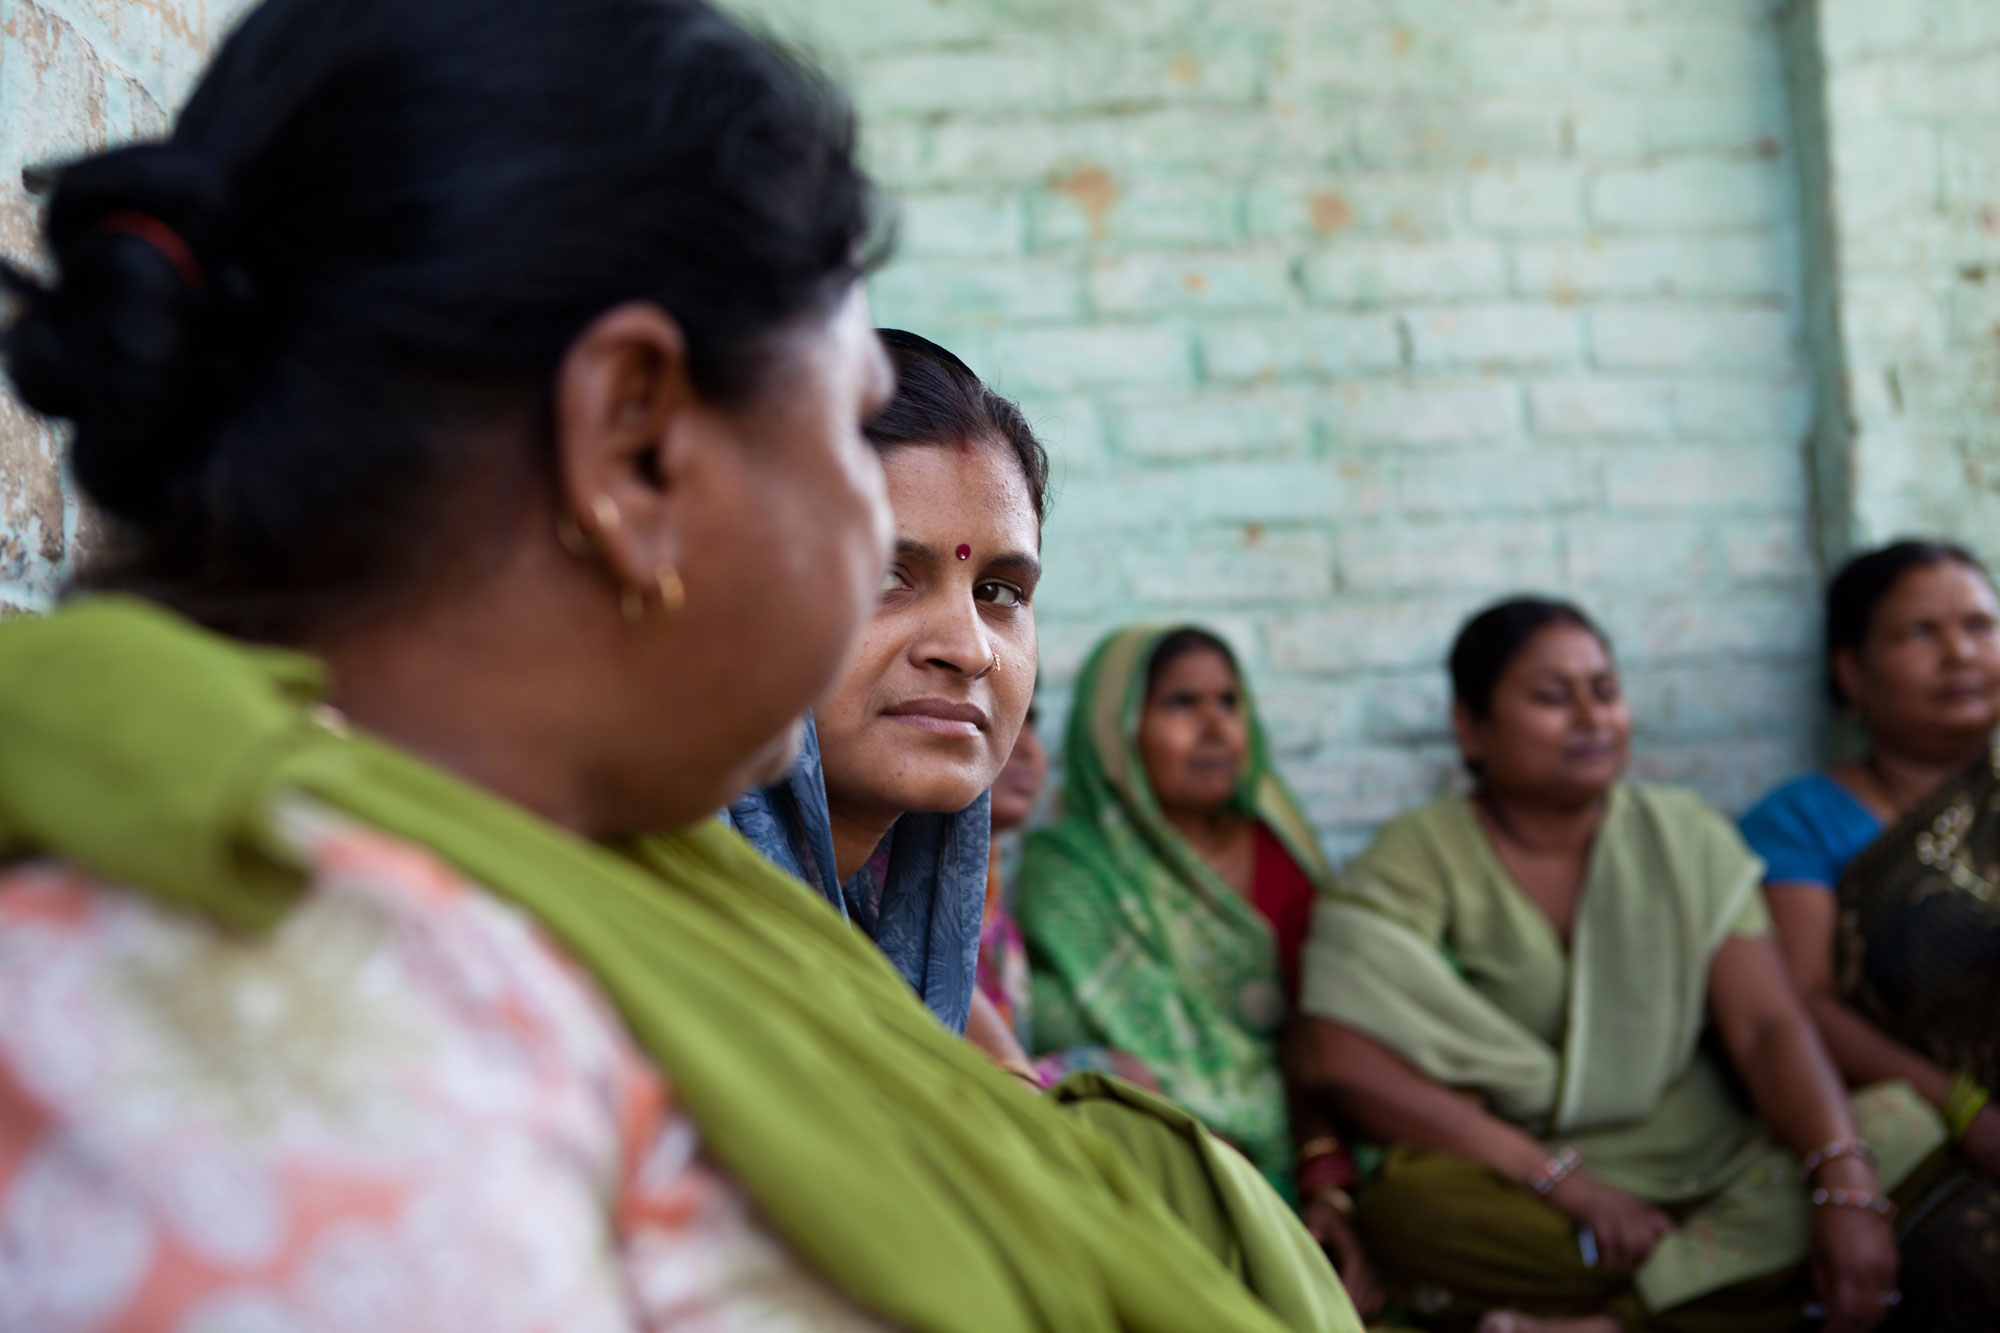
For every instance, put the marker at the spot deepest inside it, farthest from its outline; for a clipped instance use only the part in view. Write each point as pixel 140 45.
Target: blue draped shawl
pixel 926 914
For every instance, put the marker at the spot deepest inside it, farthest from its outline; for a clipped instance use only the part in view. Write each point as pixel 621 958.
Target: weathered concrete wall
pixel 1909 208
pixel 1343 317
pixel 74 76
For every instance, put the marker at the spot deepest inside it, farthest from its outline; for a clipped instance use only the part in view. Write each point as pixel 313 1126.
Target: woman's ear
pixel 1848 676
pixel 1471 734
pixel 622 396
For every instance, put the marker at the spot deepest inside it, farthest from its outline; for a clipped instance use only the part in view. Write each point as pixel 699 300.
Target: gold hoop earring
pixel 673 593
pixel 605 512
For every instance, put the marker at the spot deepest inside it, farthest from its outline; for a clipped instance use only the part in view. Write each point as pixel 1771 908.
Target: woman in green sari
pixel 1881 874
pixel 1165 911
pixel 474 392
pixel 1550 998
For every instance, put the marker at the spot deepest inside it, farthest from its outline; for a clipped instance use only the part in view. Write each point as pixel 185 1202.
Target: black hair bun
pixel 131 339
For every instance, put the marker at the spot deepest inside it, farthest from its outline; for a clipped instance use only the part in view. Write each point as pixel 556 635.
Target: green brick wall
pixel 1342 317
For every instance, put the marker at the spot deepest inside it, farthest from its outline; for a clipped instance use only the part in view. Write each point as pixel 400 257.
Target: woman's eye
pixel 893 581
pixel 999 594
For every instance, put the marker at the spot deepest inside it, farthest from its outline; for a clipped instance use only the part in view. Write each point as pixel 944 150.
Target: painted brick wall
pixel 1908 215
pixel 74 75
pixel 1342 317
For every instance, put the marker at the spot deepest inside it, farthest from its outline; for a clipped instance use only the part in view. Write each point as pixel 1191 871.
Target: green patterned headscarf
pixel 1134 943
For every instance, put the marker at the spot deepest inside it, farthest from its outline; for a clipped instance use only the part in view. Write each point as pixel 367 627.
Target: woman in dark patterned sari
pixel 1882 882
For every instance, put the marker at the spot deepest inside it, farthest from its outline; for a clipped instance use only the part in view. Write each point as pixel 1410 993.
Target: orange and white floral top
pixel 400 1110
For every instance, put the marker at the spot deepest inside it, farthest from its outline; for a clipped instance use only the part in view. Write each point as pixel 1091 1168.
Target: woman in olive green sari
pixel 1548 999
pixel 477 413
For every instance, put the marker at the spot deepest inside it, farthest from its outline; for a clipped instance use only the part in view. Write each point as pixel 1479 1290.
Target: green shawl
pixel 1430 947
pixel 896 1160
pixel 1134 943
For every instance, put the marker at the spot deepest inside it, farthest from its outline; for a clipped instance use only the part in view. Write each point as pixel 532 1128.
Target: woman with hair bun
pixel 475 389
pixel 1556 1003
pixel 1881 877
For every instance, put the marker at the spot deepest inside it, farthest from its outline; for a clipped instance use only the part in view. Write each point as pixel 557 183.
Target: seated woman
pixel 1542 998
pixel 1880 877
pixel 886 810
pixel 477 411
pixel 1164 913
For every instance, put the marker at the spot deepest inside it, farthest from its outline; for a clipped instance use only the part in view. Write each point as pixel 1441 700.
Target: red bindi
pixel 964 551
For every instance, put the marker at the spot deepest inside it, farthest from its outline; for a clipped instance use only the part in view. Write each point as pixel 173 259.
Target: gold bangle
pixel 1326 1145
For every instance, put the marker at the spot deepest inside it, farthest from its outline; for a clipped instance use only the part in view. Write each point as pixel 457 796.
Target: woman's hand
pixel 1853 1267
pixel 1626 1229
pixel 1981 1144
pixel 1329 1226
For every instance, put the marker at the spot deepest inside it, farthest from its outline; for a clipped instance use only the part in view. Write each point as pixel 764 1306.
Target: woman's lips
pixel 940 717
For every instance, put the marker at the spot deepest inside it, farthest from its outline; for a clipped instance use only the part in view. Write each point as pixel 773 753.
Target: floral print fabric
pixel 402 1109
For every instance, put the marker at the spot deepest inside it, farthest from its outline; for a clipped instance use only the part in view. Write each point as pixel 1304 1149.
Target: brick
pixel 1708 477
pixel 1689 337
pixel 1412 205
pixel 1224 64
pixel 1730 702
pixel 1882 173
pixel 1213 426
pixel 1483 555
pixel 1422 413
pixel 1359 785
pixel 1250 493
pixel 1314 346
pixel 911 292
pixel 1292 568
pixel 1456 133
pixel 1625 551
pixel 1367 273
pixel 1535 482
pixel 1527 200
pixel 1664 55
pixel 1221 282
pixel 1494 336
pixel 1356 634
pixel 1042 360
pixel 1073 430
pixel 980 225
pixel 1600 409
pixel 1091 208
pixel 1774 412
pixel 1699 192
pixel 1779 553
pixel 977 80
pixel 1892 316
pixel 1850 31
pixel 1688 624
pixel 998 150
pixel 1758 265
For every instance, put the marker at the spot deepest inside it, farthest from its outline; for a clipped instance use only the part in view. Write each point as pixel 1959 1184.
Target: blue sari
pixel 922 908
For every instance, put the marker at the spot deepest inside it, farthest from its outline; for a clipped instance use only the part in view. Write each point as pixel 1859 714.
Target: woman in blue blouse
pixel 1883 879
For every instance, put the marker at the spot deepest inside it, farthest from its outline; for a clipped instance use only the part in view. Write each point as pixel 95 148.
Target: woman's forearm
pixel 1795 1086
pixel 1865 1054
pixel 1388 1099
